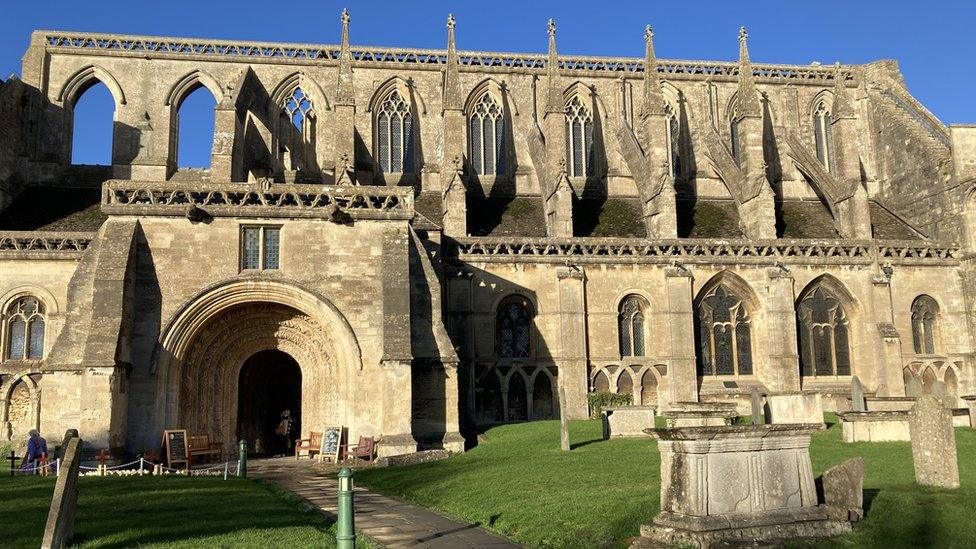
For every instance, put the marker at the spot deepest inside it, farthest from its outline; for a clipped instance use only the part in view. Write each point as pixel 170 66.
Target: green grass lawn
pixel 519 483
pixel 165 511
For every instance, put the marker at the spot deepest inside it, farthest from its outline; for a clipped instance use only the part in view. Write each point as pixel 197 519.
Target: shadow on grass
pixel 869 495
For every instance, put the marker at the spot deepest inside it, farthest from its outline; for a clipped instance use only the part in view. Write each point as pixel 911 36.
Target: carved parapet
pixel 693 250
pixel 43 244
pixel 237 200
pixel 363 56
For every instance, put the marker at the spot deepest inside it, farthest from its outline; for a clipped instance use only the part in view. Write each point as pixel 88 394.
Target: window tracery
pixel 824 335
pixel 297 108
pixel 822 134
pixel 674 135
pixel 486 137
pixel 579 139
pixel 924 317
pixel 724 334
pixel 630 326
pixel 513 323
pixel 394 135
pixel 25 329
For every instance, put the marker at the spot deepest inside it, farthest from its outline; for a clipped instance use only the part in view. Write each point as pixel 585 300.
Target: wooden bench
pixel 365 450
pixel 200 446
pixel 312 445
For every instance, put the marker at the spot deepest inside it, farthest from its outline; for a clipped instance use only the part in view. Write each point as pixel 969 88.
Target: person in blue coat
pixel 36 449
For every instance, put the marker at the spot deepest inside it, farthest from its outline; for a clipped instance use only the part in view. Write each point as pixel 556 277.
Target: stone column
pixel 224 144
pixel 887 342
pixel 396 437
pixel 781 372
pixel 682 374
pixel 453 441
pixel 570 355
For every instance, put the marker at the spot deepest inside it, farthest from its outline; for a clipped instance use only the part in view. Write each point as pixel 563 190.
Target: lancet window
pixel 630 326
pixel 579 139
pixel 486 137
pixel 394 135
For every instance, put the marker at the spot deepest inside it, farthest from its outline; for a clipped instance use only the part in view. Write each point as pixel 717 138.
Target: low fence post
pixel 242 457
pixel 346 527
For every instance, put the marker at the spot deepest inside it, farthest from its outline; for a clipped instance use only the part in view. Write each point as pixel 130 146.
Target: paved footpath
pixel 389 522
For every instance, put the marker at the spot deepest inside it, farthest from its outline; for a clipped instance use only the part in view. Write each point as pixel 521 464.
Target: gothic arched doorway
pixel 270 383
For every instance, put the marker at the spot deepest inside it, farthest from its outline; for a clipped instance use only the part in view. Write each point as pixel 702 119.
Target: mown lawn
pixel 519 483
pixel 165 512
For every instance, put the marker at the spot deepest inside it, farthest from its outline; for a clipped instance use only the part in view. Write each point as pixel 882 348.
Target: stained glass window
pixel 823 335
pixel 630 326
pixel 394 135
pixel 924 314
pixel 25 329
pixel 513 323
pixel 579 139
pixel 724 336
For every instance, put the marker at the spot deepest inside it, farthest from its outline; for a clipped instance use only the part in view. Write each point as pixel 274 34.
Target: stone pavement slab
pixel 387 521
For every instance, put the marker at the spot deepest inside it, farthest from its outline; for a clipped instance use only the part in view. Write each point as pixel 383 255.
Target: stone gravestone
pixel 913 387
pixel 563 421
pixel 939 391
pixel 757 409
pixel 843 490
pixel 61 519
pixel 68 435
pixel 933 444
pixel 857 395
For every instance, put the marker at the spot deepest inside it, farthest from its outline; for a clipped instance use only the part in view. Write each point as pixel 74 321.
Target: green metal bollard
pixel 242 456
pixel 346 527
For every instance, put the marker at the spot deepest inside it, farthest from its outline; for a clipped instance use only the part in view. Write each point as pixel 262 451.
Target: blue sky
pixel 933 41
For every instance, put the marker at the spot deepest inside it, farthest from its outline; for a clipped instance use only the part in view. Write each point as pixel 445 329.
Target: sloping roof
pixel 506 216
pixel 609 217
pixel 887 226
pixel 40 208
pixel 708 219
pixel 805 219
pixel 427 206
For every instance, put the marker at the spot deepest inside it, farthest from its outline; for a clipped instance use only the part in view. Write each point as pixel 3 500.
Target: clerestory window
pixel 579 139
pixel 486 137
pixel 394 135
pixel 822 135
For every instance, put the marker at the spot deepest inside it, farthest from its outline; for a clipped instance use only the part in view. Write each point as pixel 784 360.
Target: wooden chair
pixel 312 444
pixel 200 446
pixel 365 450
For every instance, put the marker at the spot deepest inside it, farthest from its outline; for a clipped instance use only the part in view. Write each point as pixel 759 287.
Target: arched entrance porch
pixel 269 391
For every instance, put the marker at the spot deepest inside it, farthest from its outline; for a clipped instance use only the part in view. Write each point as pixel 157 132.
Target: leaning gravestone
pixel 857 395
pixel 933 444
pixel 843 490
pixel 757 410
pixel 61 519
pixel 68 435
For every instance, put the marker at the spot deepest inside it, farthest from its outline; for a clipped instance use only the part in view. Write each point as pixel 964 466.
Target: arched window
pixel 579 139
pixel 486 137
pixel 823 335
pixel 296 128
pixel 25 329
pixel 674 135
pixel 513 323
pixel 630 326
pixel 195 128
pixel 822 134
pixel 925 312
pixel 394 135
pixel 92 126
pixel 724 335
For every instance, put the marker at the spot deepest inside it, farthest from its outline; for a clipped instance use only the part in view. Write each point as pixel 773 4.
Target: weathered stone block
pixel 627 421
pixel 843 490
pixel 874 426
pixel 800 407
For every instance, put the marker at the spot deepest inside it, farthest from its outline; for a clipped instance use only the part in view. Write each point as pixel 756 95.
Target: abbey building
pixel 408 242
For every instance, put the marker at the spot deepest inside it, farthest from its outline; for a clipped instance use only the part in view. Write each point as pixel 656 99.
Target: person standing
pixel 36 449
pixel 283 434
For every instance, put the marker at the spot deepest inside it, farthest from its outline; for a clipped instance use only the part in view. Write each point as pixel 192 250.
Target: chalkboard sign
pixel 174 447
pixel 331 441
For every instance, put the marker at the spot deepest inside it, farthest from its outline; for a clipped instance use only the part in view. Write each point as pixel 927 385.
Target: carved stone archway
pixel 204 346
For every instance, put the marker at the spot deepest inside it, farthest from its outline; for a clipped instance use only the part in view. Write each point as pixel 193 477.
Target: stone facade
pixel 459 234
